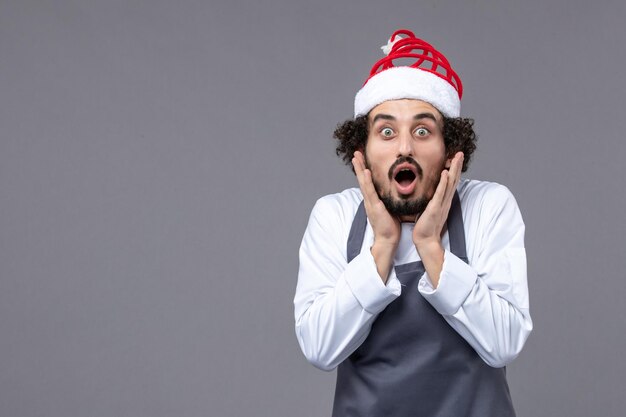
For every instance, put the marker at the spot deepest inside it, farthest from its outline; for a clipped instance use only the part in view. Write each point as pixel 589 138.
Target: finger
pixel 364 177
pixel 455 166
pixel 459 166
pixel 355 158
pixel 454 176
pixel 369 190
pixel 358 169
pixel 440 191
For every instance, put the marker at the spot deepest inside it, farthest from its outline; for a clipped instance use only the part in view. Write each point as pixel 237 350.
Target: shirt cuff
pixel 367 286
pixel 455 283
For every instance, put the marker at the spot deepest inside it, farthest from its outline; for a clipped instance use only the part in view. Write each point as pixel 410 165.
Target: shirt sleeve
pixel 486 302
pixel 336 301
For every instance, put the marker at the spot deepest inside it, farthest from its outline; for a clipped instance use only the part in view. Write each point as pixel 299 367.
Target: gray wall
pixel 159 160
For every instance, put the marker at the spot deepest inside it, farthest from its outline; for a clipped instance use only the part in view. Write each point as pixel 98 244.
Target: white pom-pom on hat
pixel 387 48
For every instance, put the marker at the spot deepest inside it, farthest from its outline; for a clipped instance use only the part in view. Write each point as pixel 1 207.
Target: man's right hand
pixel 386 227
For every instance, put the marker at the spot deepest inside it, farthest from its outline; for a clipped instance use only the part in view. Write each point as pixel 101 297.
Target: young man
pixel 414 284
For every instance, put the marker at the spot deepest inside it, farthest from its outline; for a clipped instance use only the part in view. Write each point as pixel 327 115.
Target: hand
pixel 428 228
pixel 386 227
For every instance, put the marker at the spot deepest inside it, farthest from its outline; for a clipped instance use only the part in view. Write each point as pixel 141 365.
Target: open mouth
pixel 405 176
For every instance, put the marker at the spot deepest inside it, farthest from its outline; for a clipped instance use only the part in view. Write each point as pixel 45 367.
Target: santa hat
pixel 430 78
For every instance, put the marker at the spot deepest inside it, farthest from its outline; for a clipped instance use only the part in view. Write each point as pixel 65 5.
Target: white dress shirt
pixel 486 302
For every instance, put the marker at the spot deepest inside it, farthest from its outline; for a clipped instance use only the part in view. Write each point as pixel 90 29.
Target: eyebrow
pixel 425 116
pixel 416 117
pixel 382 116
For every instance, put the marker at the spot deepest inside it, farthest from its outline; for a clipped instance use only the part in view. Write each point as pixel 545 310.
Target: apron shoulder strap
pixel 357 232
pixel 456 230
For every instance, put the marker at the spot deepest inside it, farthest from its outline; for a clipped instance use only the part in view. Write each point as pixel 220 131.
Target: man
pixel 414 284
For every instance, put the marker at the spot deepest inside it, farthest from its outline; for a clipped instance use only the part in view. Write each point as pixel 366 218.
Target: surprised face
pixel 406 153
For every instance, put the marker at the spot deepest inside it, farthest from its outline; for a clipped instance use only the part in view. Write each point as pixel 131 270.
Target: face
pixel 406 153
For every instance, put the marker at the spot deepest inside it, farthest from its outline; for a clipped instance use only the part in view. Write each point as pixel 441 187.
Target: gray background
pixel 159 160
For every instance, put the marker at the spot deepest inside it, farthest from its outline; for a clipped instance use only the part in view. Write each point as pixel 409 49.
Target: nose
pixel 405 144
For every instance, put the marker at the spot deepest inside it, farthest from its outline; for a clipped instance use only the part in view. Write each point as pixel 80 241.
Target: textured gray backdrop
pixel 159 160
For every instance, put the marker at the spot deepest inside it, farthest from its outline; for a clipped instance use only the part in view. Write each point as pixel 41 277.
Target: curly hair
pixel 458 135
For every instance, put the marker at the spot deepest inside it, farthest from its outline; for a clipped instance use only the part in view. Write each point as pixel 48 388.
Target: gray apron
pixel 413 363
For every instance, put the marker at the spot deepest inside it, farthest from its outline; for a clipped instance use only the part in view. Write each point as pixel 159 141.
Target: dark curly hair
pixel 458 135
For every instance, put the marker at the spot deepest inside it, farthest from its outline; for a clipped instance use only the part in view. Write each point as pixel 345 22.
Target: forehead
pixel 404 109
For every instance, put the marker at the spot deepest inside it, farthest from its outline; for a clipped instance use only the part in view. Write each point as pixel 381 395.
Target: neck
pixel 407 219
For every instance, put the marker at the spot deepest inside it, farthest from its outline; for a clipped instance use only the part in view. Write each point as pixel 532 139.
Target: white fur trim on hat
pixel 407 82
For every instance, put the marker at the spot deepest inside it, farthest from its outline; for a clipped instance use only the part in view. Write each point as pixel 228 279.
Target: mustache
pixel 403 160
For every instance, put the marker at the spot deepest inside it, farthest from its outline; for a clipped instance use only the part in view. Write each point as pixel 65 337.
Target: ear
pixel 449 162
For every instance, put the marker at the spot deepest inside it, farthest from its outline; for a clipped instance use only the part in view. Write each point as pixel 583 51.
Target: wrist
pixel 432 255
pixel 383 253
pixel 429 247
pixel 431 252
pixel 384 249
pixel 385 244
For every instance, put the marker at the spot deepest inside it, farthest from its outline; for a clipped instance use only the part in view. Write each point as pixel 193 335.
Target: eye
pixel 387 132
pixel 422 131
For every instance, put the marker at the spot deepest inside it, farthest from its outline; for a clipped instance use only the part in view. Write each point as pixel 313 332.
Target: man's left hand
pixel 428 228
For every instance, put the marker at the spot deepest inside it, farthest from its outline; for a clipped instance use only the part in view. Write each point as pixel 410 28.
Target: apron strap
pixel 357 232
pixel 456 230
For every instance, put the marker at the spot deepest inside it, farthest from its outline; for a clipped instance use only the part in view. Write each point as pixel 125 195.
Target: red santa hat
pixel 430 78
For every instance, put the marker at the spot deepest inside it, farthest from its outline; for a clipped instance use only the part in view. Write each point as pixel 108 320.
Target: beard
pixel 402 206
